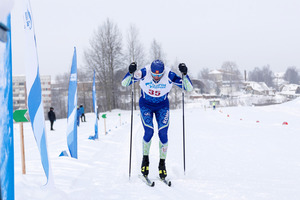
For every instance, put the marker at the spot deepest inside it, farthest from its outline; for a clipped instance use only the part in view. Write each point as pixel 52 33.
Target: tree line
pixel 109 56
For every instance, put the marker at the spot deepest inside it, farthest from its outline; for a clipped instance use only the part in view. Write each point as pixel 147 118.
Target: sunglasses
pixel 157 75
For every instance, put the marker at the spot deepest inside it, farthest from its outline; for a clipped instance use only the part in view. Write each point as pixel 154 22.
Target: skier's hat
pixel 157 67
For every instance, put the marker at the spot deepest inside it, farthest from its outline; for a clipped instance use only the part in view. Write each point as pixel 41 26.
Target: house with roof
pixel 216 76
pixel 258 88
pixel 290 90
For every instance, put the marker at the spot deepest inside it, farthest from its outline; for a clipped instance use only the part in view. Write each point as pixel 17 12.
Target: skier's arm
pixel 187 83
pixel 127 80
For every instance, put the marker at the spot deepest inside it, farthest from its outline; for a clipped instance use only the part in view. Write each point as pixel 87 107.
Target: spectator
pixel 82 113
pixel 52 118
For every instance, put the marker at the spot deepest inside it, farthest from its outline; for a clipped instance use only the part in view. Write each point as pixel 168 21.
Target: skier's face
pixel 157 77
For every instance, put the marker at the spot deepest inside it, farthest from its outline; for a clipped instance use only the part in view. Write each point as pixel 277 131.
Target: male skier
pixel 156 81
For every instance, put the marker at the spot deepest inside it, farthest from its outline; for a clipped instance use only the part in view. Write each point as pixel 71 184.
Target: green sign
pixel 119 114
pixel 18 116
pixel 104 116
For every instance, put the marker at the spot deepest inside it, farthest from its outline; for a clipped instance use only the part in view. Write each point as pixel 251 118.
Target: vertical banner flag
pixel 34 91
pixel 6 117
pixel 95 107
pixel 72 109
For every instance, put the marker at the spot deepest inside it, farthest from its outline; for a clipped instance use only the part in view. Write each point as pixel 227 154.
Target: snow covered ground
pixel 231 153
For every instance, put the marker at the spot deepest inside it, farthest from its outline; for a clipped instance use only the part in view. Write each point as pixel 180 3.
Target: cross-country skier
pixel 156 81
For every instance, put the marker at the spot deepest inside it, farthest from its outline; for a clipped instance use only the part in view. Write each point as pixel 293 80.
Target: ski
pixel 146 180
pixel 167 182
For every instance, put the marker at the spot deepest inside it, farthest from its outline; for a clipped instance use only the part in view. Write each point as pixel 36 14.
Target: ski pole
pixel 182 89
pixel 131 127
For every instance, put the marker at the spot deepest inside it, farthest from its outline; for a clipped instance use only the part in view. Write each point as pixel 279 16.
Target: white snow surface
pixel 231 153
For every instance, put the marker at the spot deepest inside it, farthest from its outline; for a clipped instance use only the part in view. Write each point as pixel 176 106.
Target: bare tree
pixel 105 56
pixel 230 72
pixel 134 53
pixel 291 75
pixel 134 48
pixel 231 75
pixel 84 75
pixel 204 74
pixel 156 52
pixel 262 75
pixel 207 80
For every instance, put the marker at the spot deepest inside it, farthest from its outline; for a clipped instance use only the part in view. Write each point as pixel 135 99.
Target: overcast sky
pixel 201 33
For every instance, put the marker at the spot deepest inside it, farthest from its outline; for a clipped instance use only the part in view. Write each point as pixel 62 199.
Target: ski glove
pixel 182 68
pixel 132 68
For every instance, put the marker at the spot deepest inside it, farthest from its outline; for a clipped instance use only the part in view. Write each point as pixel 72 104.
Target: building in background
pixel 46 92
pixel 19 93
pixel 59 91
pixel 20 96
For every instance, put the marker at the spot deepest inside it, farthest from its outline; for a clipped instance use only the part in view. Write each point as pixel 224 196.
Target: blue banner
pixel 6 120
pixel 72 109
pixel 34 90
pixel 95 108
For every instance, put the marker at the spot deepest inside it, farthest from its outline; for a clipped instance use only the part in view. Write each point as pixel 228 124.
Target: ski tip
pixel 167 182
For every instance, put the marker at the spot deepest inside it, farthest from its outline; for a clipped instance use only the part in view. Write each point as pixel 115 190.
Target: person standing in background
pixel 52 118
pixel 82 113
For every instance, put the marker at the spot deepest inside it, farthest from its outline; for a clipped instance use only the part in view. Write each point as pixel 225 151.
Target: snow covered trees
pixel 291 75
pixel 105 56
pixel 263 74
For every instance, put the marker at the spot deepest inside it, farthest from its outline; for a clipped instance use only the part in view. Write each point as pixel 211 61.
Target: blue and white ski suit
pixel 154 99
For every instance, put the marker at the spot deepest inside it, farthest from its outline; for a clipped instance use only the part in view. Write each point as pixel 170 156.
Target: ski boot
pixel 145 166
pixel 162 169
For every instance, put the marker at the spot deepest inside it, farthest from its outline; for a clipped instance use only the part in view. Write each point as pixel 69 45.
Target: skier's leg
pixel 162 117
pixel 146 147
pixel 163 149
pixel 147 120
pixel 51 123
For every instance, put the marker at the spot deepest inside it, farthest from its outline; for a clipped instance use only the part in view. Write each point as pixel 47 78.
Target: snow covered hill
pixel 231 153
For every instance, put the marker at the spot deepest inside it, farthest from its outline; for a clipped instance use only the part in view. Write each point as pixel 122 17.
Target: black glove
pixel 132 68
pixel 182 68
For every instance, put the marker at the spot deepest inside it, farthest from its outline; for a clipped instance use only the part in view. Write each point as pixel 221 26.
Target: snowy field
pixel 231 153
